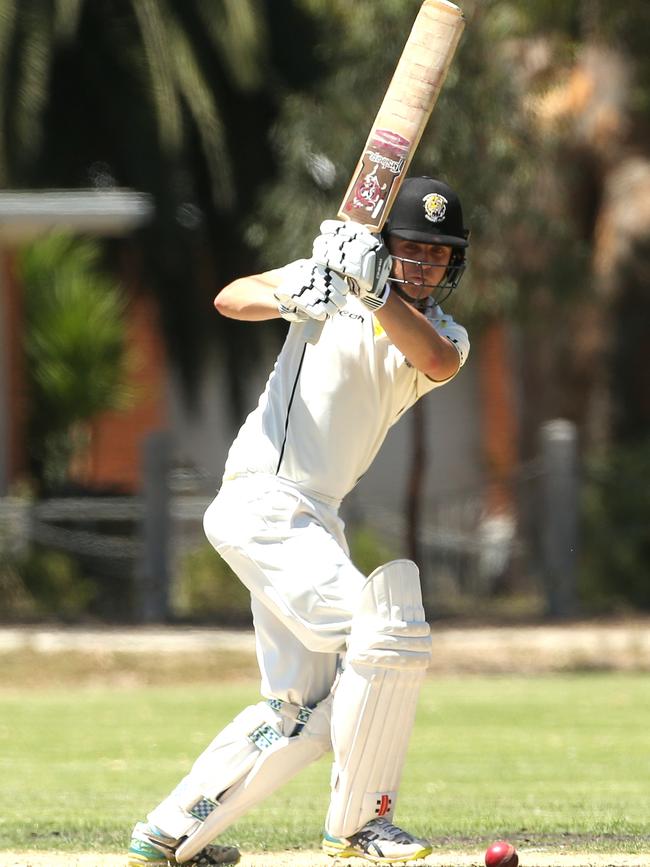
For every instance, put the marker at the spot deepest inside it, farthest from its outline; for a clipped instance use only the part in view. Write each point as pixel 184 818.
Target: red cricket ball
pixel 501 854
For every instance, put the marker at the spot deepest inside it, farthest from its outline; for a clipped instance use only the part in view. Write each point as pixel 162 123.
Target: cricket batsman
pixel 342 655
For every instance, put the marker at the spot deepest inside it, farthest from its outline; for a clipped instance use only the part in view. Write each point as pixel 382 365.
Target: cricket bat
pixel 400 122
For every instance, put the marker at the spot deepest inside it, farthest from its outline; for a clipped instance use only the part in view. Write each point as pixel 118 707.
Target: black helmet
pixel 428 211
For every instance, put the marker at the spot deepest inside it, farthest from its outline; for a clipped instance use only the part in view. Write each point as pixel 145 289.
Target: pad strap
pixel 266 745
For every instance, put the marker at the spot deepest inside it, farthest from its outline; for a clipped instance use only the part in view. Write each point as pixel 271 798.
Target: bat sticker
pixel 383 162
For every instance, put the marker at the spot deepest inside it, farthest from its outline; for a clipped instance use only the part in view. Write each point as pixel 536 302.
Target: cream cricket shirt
pixel 327 408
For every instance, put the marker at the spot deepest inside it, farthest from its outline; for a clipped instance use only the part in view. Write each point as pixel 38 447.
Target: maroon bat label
pixel 383 162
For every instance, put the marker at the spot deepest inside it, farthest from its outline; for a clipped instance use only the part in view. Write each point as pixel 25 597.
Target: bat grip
pixel 312 330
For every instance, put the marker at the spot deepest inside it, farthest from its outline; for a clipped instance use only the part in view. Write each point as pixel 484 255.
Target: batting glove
pixel 310 291
pixel 352 250
pixel 292 314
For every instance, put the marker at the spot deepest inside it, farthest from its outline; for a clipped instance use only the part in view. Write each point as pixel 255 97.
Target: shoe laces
pixel 382 829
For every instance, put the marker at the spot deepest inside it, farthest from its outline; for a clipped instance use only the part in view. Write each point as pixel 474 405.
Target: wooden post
pixel 5 410
pixel 154 573
pixel 559 516
pixel 415 484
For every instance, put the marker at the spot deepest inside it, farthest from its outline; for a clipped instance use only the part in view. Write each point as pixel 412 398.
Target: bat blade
pixel 401 120
pixel 403 114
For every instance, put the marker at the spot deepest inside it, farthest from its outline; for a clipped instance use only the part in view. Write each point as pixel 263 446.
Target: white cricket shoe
pixel 379 841
pixel 150 847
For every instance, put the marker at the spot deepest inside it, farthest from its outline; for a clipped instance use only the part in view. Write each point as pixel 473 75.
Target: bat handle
pixel 312 330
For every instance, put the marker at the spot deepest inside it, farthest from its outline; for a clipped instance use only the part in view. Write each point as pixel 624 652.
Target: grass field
pixel 558 761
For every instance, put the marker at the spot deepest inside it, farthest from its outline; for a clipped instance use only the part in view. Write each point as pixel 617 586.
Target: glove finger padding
pixel 294 276
pixel 311 290
pixel 353 251
pixel 325 296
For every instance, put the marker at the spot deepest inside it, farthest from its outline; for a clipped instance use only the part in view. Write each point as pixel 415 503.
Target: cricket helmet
pixel 428 211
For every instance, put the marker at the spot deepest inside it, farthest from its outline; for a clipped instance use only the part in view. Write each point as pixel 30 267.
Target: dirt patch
pixel 37 656
pixel 140 639
pixel 528 858
pixel 623 646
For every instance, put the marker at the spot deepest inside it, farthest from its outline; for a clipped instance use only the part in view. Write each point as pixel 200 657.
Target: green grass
pixel 563 760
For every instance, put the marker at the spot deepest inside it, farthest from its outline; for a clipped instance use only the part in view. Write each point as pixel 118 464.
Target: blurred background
pixel 152 150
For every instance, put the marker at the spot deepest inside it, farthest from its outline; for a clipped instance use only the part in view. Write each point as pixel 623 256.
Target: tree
pixel 480 144
pixel 544 132
pixel 171 97
pixel 75 350
pixel 590 98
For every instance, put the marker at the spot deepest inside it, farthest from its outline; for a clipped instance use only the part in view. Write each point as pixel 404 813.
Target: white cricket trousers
pixel 290 551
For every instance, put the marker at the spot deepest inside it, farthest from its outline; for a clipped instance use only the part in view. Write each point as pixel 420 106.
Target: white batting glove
pixel 292 314
pixel 352 250
pixel 310 291
pixel 295 274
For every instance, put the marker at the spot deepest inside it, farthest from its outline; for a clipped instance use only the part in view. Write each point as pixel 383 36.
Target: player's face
pixel 421 266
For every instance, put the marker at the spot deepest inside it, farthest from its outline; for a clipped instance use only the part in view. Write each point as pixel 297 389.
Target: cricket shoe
pixel 379 841
pixel 150 847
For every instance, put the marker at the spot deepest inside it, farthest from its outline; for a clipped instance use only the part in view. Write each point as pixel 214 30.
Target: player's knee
pixel 389 629
pixel 220 524
pixel 268 721
pixel 313 723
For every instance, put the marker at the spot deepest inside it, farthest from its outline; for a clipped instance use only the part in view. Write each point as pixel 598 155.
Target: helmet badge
pixel 435 207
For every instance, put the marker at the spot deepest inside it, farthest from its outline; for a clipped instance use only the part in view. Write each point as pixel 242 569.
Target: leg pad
pixel 376 697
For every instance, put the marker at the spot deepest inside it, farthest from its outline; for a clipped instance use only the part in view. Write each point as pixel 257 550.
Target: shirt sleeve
pixel 456 334
pixel 453 331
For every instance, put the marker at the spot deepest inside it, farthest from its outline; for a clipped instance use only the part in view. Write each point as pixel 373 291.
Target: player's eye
pixel 438 254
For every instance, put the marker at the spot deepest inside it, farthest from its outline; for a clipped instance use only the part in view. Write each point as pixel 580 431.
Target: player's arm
pixel 250 298
pixel 415 337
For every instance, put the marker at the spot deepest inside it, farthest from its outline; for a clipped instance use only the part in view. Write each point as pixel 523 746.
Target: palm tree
pixel 171 97
pixel 147 58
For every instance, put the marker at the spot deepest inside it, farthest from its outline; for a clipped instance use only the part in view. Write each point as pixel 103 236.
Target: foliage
pixel 17 604
pixel 480 142
pixel 178 99
pixel 368 550
pixel 207 589
pixel 158 51
pixel 172 99
pixel 185 98
pixel 532 191
pixel 616 529
pixel 44 583
pixel 74 348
